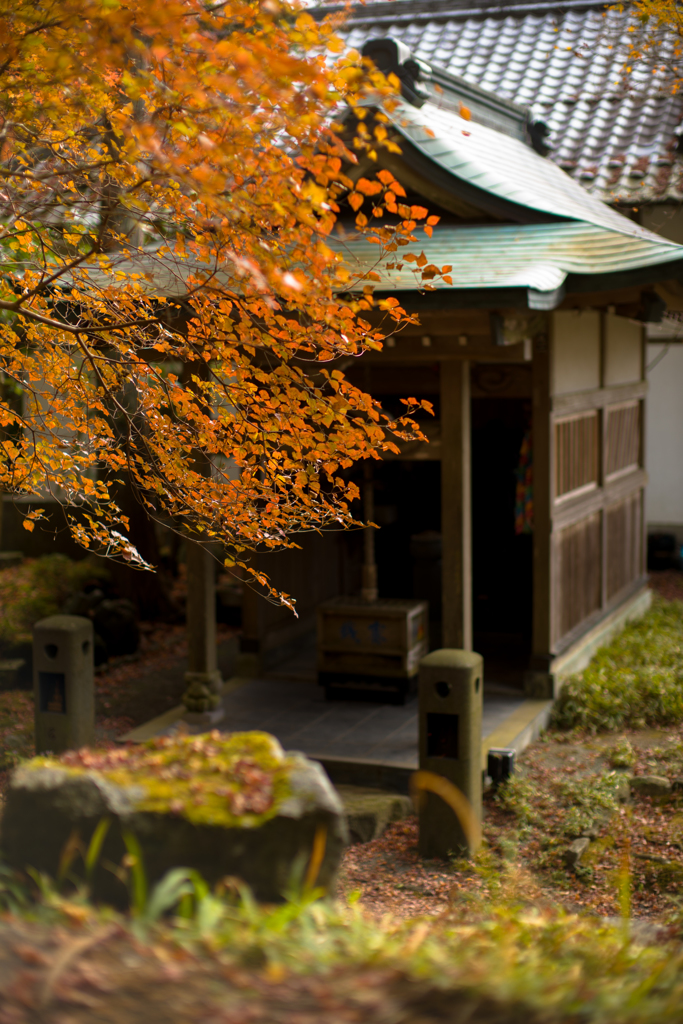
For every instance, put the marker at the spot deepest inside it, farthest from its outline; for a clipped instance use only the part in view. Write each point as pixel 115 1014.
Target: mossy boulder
pixel 226 805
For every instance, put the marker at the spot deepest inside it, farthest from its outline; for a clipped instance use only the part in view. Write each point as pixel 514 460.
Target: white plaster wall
pixel 664 437
pixel 576 351
pixel 623 350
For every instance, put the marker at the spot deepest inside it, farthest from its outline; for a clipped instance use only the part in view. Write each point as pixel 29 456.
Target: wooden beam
pixel 456 505
pixel 542 454
pixel 584 401
pixel 434 347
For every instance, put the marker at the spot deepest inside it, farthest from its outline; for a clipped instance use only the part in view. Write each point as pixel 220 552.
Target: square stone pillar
pixel 63 683
pixel 450 706
pixel 203 678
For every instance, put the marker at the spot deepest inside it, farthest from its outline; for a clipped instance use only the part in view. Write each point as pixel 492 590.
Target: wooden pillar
pixel 642 460
pixel 369 578
pixel 203 677
pixel 456 505
pixel 602 435
pixel 253 606
pixel 537 681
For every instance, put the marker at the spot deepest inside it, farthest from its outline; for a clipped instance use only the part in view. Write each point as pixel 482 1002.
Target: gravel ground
pixel 668 584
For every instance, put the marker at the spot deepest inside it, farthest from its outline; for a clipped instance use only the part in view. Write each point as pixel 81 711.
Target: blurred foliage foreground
pixel 185 953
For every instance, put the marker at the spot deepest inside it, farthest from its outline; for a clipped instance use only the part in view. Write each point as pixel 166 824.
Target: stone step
pixel 369 811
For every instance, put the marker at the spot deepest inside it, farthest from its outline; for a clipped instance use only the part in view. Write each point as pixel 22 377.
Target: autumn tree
pixel 654 41
pixel 171 309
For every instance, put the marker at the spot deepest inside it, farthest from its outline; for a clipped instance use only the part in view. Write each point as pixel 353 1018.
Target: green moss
pixel 238 780
pixel 637 680
pixel 597 850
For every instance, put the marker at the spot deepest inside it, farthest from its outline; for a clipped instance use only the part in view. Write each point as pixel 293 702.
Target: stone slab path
pixel 301 719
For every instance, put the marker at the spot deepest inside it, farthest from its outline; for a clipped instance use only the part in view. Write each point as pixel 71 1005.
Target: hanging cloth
pixel 524 494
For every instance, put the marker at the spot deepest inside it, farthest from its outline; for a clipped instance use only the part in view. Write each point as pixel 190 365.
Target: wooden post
pixel 537 681
pixel 602 427
pixel 369 579
pixel 456 505
pixel 249 660
pixel 203 677
pixel 642 460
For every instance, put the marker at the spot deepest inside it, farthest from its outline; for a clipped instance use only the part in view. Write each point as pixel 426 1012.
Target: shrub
pixel 37 588
pixel 636 681
pixel 622 754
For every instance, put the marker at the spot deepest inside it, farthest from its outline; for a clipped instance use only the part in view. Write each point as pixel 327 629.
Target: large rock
pixel 650 785
pixel 223 805
pixel 369 812
pixel 575 851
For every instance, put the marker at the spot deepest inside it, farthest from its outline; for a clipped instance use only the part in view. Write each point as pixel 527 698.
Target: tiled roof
pixel 564 64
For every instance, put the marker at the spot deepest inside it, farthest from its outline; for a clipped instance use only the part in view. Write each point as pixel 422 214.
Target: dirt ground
pixel 668 584
pixel 137 689
pixel 642 840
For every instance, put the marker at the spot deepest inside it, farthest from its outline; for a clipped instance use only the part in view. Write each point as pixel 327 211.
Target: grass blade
pixel 95 846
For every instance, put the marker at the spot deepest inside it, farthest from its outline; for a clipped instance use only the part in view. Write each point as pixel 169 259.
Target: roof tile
pixel 565 64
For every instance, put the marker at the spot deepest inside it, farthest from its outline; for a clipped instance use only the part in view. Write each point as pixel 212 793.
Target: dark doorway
pixel 502 568
pixel 407 496
pixel 408 512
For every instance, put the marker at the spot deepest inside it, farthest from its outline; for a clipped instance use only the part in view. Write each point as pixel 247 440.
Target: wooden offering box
pixel 371 650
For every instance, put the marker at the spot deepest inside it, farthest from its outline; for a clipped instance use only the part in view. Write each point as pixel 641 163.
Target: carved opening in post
pixel 85 646
pixel 442 689
pixel 52 692
pixel 442 735
pixel 51 650
pixel 476 684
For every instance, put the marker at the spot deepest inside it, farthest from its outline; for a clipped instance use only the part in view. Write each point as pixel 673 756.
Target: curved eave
pixel 543 262
pixel 477 157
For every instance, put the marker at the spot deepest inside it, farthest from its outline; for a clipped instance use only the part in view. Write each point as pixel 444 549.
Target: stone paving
pixel 300 717
pixel 290 705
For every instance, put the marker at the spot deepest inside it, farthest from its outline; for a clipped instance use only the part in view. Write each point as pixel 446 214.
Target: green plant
pixel 16 728
pixel 636 680
pixel 622 754
pixel 515 796
pixel 586 799
pixel 37 588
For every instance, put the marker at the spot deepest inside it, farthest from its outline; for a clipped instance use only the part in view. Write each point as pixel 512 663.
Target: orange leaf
pixel 368 188
pixel 465 112
pixel 355 201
